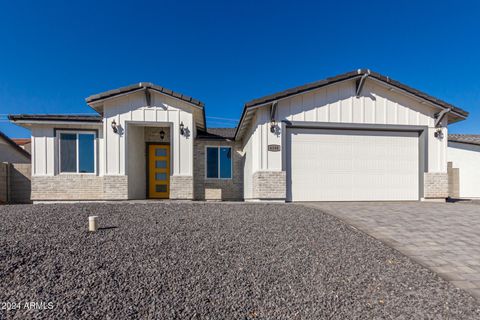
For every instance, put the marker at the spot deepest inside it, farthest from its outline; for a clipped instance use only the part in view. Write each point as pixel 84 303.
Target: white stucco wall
pixel 466 158
pixel 337 104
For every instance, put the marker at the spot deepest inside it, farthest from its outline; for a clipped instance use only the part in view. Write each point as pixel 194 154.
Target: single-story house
pixel 358 136
pixel 463 154
pixel 11 151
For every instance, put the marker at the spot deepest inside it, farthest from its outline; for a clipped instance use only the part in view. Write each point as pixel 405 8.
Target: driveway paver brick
pixel 444 237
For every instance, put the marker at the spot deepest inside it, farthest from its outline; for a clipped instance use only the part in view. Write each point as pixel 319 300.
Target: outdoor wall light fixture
pixel 273 125
pixel 438 134
pixel 114 127
pixel 182 128
pixel 162 134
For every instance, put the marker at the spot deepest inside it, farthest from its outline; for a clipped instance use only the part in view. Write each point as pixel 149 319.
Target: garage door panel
pixel 354 165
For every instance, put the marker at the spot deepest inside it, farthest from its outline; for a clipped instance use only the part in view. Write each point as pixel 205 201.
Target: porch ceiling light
pixel 182 128
pixel 114 127
pixel 162 134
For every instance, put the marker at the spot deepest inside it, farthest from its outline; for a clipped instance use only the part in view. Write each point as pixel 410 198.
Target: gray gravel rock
pixel 169 260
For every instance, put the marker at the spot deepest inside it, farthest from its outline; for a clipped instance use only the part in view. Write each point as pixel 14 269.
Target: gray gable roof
pixel 465 138
pixel 217 134
pixel 350 75
pixel 55 117
pixel 459 113
pixel 140 86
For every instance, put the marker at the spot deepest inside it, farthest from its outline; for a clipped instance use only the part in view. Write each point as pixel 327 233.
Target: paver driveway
pixel 444 237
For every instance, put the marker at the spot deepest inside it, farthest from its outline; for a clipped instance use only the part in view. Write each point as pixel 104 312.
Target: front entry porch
pixel 149 161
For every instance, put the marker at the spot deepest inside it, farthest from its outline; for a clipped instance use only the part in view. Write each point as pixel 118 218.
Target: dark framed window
pixel 77 152
pixel 218 162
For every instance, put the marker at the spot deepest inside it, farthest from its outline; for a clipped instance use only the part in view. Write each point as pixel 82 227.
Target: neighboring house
pixel 14 172
pixel 464 154
pixel 24 143
pixel 12 152
pixel 359 136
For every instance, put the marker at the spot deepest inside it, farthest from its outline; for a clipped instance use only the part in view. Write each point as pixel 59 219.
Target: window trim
pixel 58 134
pixel 218 173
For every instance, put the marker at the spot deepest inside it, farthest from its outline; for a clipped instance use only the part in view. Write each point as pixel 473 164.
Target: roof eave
pixel 458 114
pixel 464 142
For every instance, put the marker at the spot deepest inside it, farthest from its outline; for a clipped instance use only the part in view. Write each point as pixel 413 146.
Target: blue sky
pixel 53 54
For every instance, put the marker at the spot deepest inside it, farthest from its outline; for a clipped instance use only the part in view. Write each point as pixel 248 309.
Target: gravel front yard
pixel 217 261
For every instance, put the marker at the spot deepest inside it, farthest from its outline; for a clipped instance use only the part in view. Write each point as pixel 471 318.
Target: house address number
pixel 274 147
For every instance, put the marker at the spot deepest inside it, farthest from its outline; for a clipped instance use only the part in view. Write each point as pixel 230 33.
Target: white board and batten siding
pixel 165 111
pixel 44 150
pixel 337 104
pixel 466 157
pixel 112 150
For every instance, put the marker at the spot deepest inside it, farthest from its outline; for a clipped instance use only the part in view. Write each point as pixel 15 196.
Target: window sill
pixel 76 174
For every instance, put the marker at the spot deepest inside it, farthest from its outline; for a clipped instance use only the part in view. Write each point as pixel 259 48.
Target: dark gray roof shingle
pixel 217 133
pixel 349 75
pixel 460 114
pixel 465 138
pixel 55 117
pixel 140 86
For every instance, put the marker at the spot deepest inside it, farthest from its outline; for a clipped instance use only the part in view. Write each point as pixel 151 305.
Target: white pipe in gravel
pixel 92 223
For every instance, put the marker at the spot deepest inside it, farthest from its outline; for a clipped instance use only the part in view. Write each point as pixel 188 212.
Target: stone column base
pixel 115 187
pixel 435 185
pixel 269 185
pixel 181 187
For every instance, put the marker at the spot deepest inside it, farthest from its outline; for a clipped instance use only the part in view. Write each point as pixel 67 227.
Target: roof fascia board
pixel 415 97
pixel 181 100
pixel 255 107
pixel 101 101
pixel 360 75
pixel 303 92
pixel 54 122
pixel 465 142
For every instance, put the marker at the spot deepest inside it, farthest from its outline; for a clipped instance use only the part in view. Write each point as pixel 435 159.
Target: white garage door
pixel 352 165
